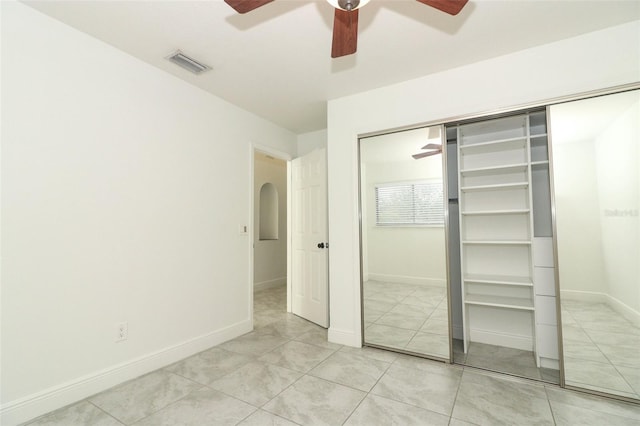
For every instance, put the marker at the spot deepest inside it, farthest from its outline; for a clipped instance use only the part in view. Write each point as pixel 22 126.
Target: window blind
pixel 418 203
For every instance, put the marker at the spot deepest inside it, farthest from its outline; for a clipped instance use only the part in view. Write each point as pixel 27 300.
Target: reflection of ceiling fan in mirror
pixel 435 150
pixel 345 20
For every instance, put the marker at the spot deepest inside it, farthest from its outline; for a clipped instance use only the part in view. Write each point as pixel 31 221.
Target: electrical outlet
pixel 122 332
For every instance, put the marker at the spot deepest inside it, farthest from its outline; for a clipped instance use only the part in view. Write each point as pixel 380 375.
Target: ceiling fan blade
pixel 425 154
pixel 452 7
pixel 432 146
pixel 244 6
pixel 345 33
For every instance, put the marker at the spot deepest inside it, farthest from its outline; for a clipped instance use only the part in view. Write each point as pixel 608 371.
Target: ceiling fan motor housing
pixel 348 4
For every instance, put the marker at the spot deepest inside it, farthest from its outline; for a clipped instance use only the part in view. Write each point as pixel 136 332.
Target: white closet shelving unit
pixel 496 162
pixel 546 329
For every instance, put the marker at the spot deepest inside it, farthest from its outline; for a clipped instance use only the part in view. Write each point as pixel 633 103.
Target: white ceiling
pixel 275 61
pixel 398 146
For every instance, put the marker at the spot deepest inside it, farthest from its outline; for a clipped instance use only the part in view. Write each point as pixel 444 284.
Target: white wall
pixel 123 189
pixel 270 256
pixel 617 165
pixel 578 217
pixel 307 142
pixel 412 255
pixel 566 67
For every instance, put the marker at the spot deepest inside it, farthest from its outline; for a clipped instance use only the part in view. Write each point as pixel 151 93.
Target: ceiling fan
pixel 345 20
pixel 435 150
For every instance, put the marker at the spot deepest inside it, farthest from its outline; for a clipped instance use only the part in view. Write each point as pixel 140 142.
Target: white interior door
pixel 310 281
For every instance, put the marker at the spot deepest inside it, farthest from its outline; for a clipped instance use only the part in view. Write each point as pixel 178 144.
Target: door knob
pixel 320 245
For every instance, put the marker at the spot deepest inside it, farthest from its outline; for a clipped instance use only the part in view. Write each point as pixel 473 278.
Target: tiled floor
pixel 286 373
pixel 408 317
pixel 414 318
pixel 601 348
pixel 505 360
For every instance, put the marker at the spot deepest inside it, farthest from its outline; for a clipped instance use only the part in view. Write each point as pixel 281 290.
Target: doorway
pixel 270 237
pixel 290 238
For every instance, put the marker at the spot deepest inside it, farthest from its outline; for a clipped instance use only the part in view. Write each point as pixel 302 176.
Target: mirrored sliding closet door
pixel 596 179
pixel 403 242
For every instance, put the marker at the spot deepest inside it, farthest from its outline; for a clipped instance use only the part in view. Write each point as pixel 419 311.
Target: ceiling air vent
pixel 188 63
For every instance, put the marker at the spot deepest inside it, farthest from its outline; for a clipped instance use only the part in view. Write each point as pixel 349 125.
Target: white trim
pixel 39 403
pixel 344 337
pixel 583 296
pixel 625 310
pixel 403 279
pixel 251 224
pixel 270 151
pixel 591 296
pixel 276 282
pixel 289 236
pixel 552 364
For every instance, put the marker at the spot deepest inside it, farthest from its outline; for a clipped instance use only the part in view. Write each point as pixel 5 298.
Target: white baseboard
pixel 32 406
pixel 263 285
pixel 596 297
pixel 626 311
pixel 344 337
pixel 514 341
pixel 552 364
pixel 402 279
pixel 583 296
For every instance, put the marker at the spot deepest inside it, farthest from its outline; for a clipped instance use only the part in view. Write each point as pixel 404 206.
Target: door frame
pixel 281 155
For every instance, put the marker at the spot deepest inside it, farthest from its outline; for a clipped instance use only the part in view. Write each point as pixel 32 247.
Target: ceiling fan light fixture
pixel 348 5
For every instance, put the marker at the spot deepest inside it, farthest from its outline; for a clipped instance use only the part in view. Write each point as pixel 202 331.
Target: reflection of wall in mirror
pixel 578 219
pixel 618 179
pixel 597 192
pixel 413 255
